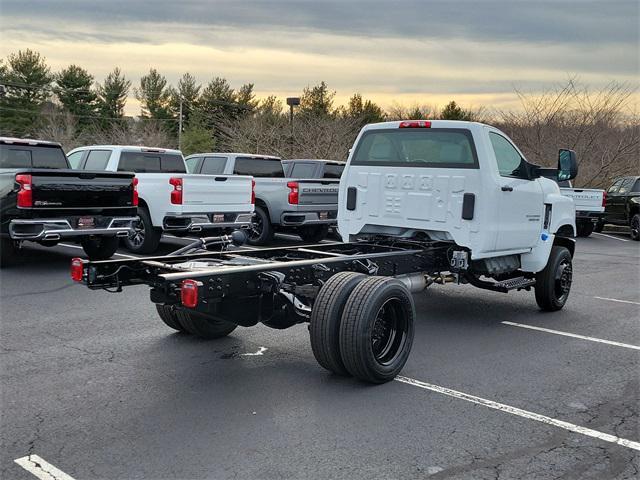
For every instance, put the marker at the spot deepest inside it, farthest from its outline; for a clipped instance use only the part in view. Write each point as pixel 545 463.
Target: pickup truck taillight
pixel 134 201
pixel 77 269
pixel 253 192
pixel 25 194
pixel 293 193
pixel 189 293
pixel 604 199
pixel 176 193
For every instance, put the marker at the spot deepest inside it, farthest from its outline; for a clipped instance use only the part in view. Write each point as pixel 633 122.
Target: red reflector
pixel 604 199
pixel 293 194
pixel 253 192
pixel 189 293
pixel 135 192
pixel 176 193
pixel 416 124
pixel 25 194
pixel 77 269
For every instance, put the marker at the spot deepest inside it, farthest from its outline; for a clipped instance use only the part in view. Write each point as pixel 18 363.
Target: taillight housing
pixel 77 269
pixel 604 199
pixel 415 124
pixel 189 293
pixel 294 188
pixel 25 194
pixel 134 201
pixel 176 193
pixel 253 192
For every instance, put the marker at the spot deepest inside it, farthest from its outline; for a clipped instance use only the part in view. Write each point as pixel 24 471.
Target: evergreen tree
pixel 246 99
pixel 317 100
pixel 217 102
pixel 453 112
pixel 197 137
pixel 154 96
pixel 112 95
pixel 364 111
pixel 189 90
pixel 74 93
pixel 27 80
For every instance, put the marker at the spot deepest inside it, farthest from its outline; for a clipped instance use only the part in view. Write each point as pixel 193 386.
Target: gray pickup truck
pixel 307 207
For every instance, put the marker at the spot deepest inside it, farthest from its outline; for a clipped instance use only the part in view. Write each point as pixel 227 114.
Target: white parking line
pixel 522 413
pixel 611 236
pixel 616 300
pixel 80 248
pixel 41 469
pixel 574 335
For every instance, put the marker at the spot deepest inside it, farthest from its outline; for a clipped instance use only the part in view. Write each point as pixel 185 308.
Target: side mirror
pixel 567 165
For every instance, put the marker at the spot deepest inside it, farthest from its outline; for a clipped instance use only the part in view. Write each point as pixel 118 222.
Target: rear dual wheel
pixel 368 335
pixel 203 326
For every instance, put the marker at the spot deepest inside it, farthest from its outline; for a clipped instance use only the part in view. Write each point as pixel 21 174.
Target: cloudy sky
pixel 412 51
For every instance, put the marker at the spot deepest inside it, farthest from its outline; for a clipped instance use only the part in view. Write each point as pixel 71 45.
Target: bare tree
pixel 597 124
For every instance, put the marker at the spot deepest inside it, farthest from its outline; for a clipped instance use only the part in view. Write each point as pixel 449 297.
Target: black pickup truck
pixel 623 205
pixel 43 200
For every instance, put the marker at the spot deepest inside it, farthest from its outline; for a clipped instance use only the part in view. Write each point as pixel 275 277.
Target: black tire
pixel 553 284
pixel 634 225
pixel 584 229
pixel 168 315
pixel 261 231
pixel 204 326
pixel 598 227
pixel 376 332
pixel 99 248
pixel 145 238
pixel 8 252
pixel 313 233
pixel 326 316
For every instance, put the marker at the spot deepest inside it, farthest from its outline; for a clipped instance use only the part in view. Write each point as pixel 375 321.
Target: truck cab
pixel 462 182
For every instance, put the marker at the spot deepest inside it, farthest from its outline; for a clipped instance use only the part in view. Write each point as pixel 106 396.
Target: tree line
pixel 69 106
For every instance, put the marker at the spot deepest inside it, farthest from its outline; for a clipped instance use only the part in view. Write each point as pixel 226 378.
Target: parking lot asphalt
pixel 96 385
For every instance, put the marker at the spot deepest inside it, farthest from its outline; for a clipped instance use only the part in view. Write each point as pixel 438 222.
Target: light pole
pixel 180 126
pixel 292 102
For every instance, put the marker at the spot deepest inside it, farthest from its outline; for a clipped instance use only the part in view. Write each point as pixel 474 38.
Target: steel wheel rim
pixel 635 227
pixel 137 237
pixel 564 276
pixel 389 331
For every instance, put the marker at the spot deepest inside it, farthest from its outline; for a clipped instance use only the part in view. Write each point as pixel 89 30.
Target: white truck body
pixel 202 195
pixel 388 190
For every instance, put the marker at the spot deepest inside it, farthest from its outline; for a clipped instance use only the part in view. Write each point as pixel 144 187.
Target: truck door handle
pixel 507 188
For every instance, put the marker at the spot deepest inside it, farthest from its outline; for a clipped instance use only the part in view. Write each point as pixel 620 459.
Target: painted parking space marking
pixel 260 351
pixel 80 248
pixel 616 300
pixel 611 236
pixel 521 413
pixel 41 468
pixel 573 335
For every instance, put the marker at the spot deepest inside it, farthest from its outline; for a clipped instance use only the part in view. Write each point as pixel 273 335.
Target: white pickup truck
pixel 420 203
pixel 589 203
pixel 170 199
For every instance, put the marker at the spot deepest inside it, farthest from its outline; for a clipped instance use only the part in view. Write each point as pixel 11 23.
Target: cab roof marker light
pixel 415 124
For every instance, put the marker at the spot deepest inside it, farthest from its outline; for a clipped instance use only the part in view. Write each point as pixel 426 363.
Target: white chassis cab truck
pixel 420 202
pixel 170 199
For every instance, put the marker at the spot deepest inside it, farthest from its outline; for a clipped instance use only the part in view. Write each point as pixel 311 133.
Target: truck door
pixel 520 205
pixel 619 201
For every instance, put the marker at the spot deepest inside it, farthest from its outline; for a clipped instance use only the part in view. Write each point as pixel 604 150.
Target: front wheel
pixel 635 227
pixel 584 229
pixel 376 332
pixel 207 327
pixel 313 233
pixel 99 248
pixel 553 284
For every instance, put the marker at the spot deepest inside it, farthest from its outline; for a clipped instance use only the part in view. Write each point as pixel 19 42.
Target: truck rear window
pixel 332 171
pixel 435 148
pixel 32 156
pixel 151 162
pixel 259 167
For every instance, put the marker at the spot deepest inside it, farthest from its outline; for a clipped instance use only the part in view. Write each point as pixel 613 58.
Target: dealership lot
pixel 96 385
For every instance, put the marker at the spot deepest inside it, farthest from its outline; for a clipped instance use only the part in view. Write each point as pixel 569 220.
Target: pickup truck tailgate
pixel 585 199
pixel 52 189
pixel 217 190
pixel 318 192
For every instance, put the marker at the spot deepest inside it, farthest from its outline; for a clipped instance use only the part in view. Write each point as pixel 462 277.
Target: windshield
pixel 440 148
pixel 32 156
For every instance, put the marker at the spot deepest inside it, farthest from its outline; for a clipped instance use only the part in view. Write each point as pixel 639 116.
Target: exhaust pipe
pixel 123 233
pixel 195 228
pixel 51 236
